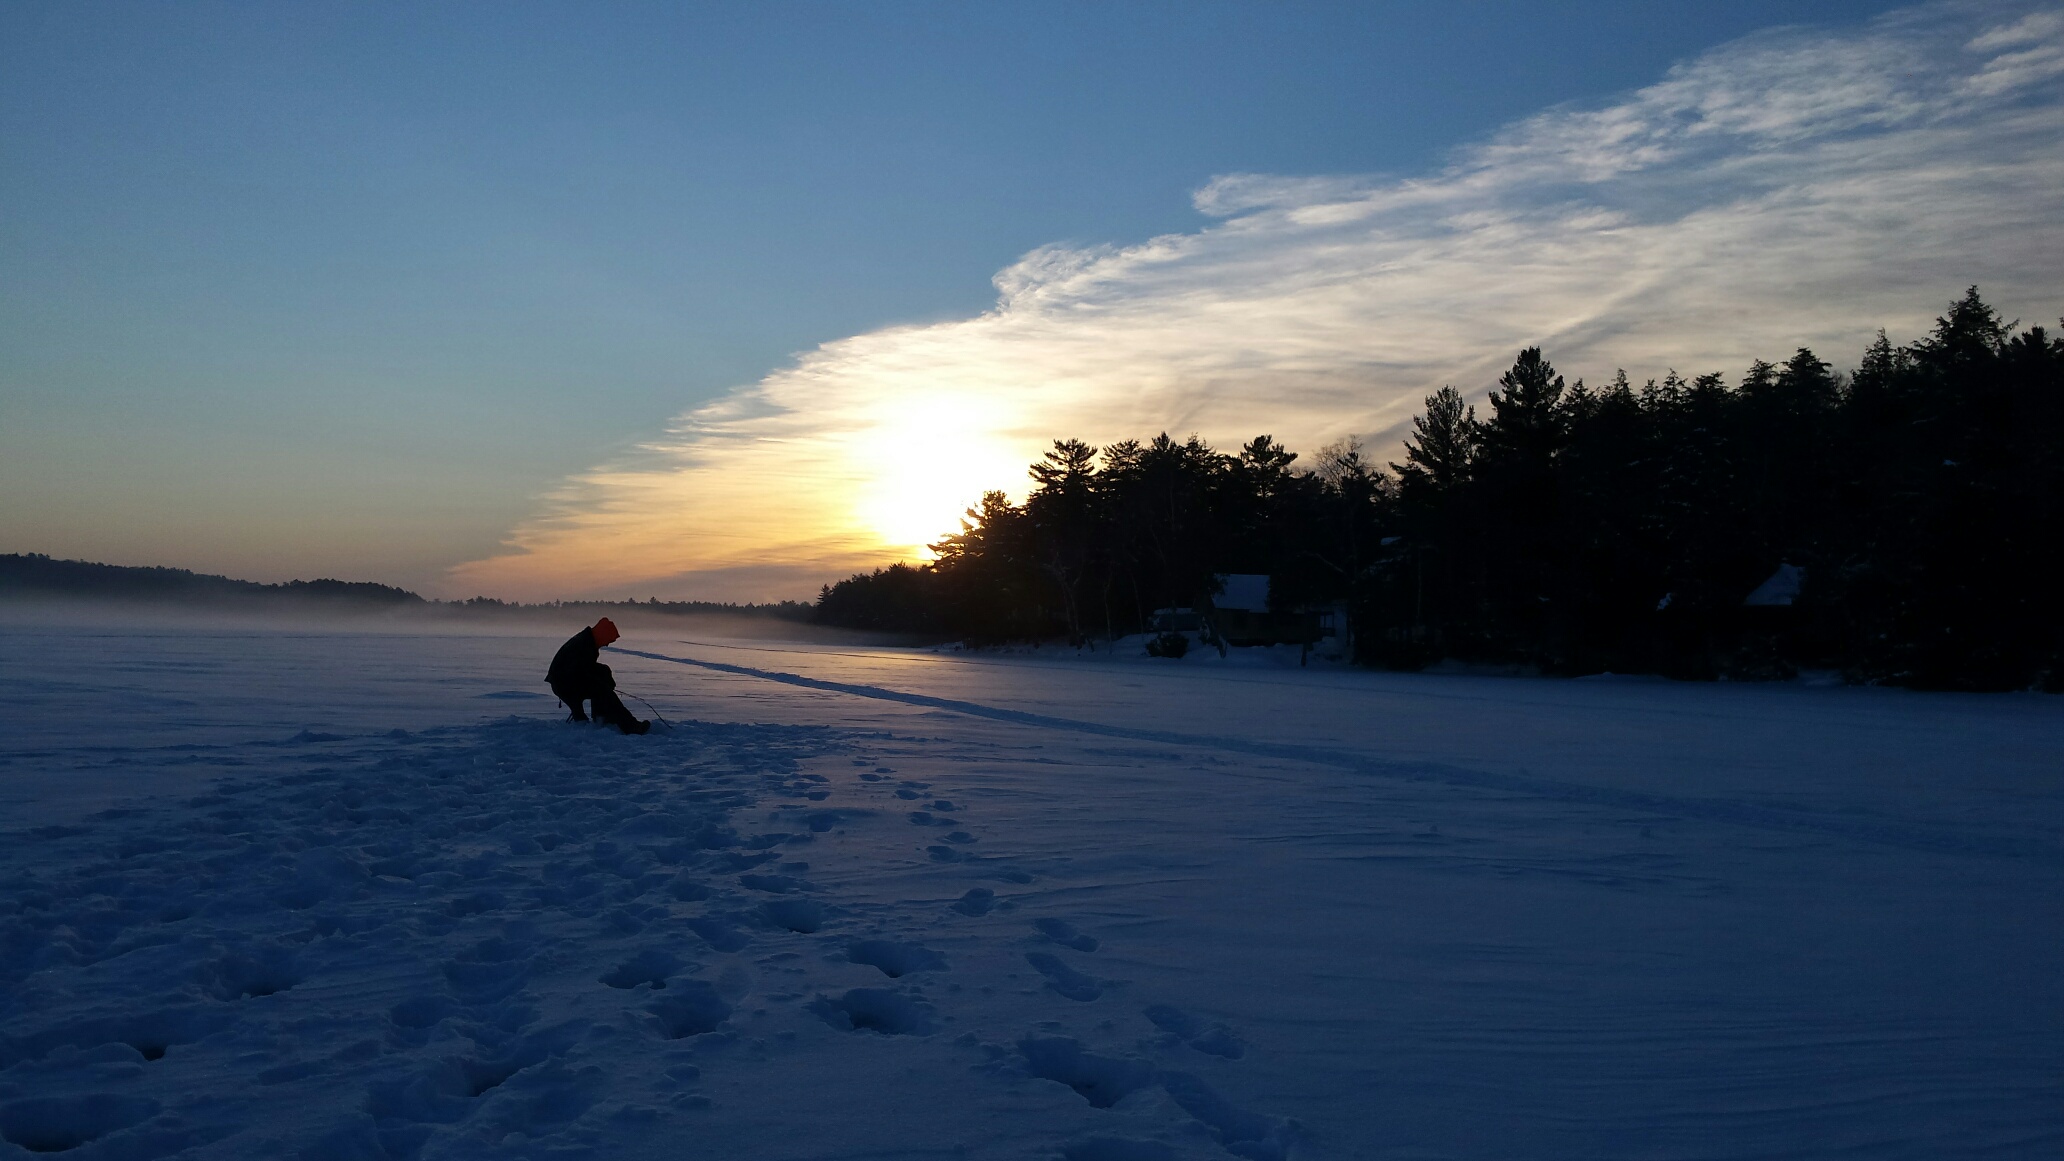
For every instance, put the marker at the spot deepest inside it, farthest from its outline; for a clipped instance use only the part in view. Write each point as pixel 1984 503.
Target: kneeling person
pixel 578 675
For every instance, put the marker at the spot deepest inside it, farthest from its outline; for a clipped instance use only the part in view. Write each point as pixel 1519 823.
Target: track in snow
pixel 1901 833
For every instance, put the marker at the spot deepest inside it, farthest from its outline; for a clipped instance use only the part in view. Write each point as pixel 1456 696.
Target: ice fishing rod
pixel 648 705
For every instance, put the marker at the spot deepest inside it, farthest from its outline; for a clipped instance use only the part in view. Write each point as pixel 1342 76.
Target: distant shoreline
pixel 35 577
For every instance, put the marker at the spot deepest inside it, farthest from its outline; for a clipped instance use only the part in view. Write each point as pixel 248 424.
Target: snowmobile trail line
pixel 1901 833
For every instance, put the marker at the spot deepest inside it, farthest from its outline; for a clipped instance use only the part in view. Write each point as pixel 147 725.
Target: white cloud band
pixel 1796 187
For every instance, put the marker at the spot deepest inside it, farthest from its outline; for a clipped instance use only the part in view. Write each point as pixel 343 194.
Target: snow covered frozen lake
pixel 278 892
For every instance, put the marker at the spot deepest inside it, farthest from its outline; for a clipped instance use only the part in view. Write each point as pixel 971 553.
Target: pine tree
pixel 1063 518
pixel 1442 447
pixel 1525 424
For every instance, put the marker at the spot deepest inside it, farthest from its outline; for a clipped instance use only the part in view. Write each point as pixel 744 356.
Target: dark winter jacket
pixel 578 664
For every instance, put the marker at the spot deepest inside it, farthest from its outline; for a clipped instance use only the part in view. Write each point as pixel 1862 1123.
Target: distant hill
pixel 35 575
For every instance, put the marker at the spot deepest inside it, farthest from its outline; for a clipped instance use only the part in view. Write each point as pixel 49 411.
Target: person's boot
pixel 573 704
pixel 634 726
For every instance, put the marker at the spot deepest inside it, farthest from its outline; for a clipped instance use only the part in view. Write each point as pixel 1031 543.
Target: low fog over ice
pixel 357 893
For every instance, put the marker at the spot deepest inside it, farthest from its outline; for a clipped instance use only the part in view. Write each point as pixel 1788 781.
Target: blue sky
pixel 329 289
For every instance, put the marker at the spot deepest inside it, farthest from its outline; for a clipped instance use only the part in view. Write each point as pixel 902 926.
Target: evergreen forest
pixel 1918 501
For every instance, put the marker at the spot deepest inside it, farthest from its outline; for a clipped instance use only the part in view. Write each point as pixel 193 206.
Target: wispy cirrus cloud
pixel 1799 187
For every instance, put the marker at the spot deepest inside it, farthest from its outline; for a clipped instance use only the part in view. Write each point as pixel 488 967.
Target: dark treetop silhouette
pixel 1918 503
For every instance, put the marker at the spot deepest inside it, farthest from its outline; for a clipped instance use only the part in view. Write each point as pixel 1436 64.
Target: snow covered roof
pixel 1244 591
pixel 1782 588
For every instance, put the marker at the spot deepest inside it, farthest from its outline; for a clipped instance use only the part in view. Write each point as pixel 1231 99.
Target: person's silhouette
pixel 578 675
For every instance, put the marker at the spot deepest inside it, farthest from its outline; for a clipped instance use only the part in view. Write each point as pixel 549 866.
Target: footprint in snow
pixel 249 975
pixel 893 959
pixel 802 916
pixel 491 970
pixel 979 901
pixel 1251 1135
pixel 874 1010
pixel 720 935
pixel 1216 1039
pixel 444 1092
pixel 60 1124
pixel 690 1008
pixel 1064 980
pixel 1103 1081
pixel 649 967
pixel 1063 932
pixel 150 1034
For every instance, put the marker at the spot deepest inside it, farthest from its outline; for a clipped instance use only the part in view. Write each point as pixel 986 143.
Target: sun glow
pixel 925 466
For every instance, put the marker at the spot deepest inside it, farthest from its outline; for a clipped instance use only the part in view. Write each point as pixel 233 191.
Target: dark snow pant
pixel 599 688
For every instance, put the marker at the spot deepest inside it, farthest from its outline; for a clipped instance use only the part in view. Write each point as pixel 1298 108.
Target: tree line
pixel 36 576
pixel 1917 501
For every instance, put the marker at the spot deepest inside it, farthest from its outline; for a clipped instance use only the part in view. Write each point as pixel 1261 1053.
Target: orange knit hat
pixel 605 631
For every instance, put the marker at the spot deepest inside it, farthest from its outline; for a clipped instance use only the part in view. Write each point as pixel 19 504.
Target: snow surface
pixel 347 895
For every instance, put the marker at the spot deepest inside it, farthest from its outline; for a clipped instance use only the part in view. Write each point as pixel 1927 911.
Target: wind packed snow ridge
pixel 1900 833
